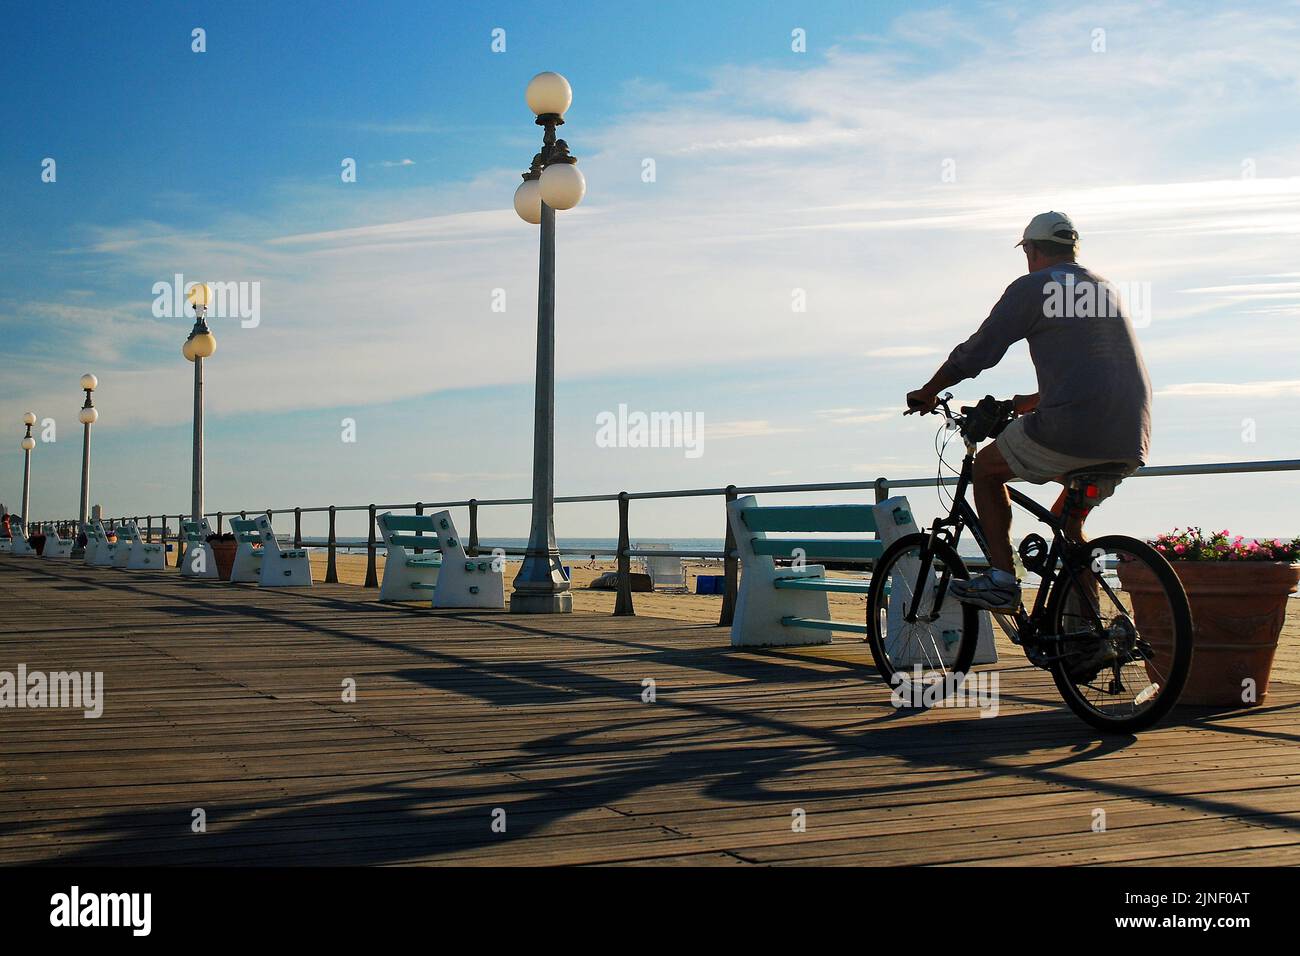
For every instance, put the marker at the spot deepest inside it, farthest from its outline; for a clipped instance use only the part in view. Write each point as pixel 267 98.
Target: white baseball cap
pixel 1051 227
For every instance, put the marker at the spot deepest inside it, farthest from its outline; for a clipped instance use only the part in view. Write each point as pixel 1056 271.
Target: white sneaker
pixel 994 590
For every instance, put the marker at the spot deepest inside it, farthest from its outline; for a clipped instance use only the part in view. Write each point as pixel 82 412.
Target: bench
pixel 782 606
pixel 463 581
pixel 198 559
pixel 281 567
pixel 247 567
pixel 19 543
pixel 100 552
pixel 56 547
pixel 134 553
pixel 409 576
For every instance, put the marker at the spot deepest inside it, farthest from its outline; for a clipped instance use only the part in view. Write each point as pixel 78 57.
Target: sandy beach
pixel 706 608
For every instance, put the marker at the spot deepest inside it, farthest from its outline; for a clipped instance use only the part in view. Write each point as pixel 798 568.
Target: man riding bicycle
pixel 1092 407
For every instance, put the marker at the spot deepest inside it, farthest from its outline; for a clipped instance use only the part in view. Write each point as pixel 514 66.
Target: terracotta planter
pixel 37 541
pixel 1238 609
pixel 223 551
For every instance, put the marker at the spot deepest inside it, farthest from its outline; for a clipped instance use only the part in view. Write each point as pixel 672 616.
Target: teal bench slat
pixel 820 625
pixel 434 562
pixel 814 548
pixel 409 522
pixel 836 585
pixel 423 587
pixel 429 542
pixel 245 531
pixel 810 518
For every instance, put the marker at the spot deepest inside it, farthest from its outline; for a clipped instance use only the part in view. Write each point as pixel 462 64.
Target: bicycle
pixel 1116 672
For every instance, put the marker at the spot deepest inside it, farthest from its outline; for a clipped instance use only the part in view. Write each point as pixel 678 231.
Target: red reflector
pixel 1090 491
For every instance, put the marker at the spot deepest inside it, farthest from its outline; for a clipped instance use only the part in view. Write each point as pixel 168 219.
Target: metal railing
pixel 624 552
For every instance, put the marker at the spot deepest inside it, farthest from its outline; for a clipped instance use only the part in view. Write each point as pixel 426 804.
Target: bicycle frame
pixel 962 516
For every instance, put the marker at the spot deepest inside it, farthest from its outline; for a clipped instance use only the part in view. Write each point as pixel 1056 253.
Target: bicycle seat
pixel 1103 470
pixel 1092 485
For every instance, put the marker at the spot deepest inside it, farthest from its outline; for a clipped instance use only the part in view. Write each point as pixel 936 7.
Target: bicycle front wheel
pixel 1125 635
pixel 940 637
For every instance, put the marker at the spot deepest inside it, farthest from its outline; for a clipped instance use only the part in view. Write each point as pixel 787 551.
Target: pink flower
pixel 1180 548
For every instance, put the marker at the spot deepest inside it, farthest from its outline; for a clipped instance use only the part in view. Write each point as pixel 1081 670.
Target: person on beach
pixel 1093 405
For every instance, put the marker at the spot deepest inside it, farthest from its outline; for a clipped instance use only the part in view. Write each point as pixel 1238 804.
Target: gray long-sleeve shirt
pixel 1095 397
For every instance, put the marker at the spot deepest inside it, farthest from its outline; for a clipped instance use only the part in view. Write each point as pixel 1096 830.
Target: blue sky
pixel 883 174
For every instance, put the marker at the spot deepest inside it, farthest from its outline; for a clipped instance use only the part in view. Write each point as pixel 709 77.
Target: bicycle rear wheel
pixel 1125 635
pixel 939 643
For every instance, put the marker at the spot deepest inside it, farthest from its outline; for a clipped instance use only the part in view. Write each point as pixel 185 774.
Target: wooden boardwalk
pixel 229 698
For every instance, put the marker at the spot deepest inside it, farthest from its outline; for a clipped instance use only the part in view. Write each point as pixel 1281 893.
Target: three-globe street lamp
pixel 88 415
pixel 552 182
pixel 201 344
pixel 28 443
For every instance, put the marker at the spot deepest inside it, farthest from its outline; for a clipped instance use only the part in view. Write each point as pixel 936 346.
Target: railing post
pixel 331 569
pixel 729 568
pixel 419 510
pixel 623 602
pixel 180 539
pixel 372 576
pixel 473 528
pixel 148 528
pixel 297 527
pixel 219 518
pixel 882 492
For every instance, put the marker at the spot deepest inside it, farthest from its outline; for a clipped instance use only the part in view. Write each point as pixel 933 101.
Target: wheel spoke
pixel 1106 635
pixel 898 644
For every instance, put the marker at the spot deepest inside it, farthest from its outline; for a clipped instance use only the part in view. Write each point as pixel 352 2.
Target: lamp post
pixel 201 344
pixel 88 415
pixel 552 182
pixel 28 443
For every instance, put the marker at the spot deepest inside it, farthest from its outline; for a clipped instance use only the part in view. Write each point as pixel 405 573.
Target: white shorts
pixel 1038 464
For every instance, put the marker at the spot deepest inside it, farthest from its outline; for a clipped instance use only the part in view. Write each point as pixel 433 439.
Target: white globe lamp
pixel 528 201
pixel 563 185
pixel 549 93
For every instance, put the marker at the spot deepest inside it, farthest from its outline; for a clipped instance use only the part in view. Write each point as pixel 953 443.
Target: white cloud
pixel 1279 389
pixel 902 351
pixel 757 428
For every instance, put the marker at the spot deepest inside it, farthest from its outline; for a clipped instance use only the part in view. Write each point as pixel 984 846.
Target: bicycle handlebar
pixel 977 422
